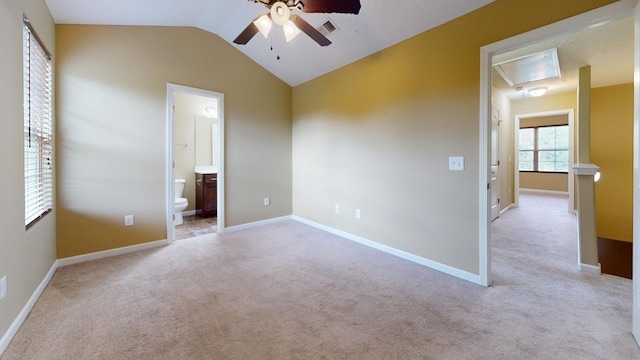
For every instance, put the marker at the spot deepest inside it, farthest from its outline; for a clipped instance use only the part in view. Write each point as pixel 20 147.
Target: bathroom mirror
pixel 206 141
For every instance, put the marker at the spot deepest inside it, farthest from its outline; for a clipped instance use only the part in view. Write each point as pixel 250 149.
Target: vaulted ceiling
pixel 608 48
pixel 380 24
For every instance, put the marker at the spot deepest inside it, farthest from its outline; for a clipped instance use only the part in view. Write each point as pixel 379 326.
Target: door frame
pixel 516 156
pixel 617 10
pixel 171 90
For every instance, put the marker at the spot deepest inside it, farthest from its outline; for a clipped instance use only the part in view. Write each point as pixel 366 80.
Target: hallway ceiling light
pixel 539 66
pixel 537 92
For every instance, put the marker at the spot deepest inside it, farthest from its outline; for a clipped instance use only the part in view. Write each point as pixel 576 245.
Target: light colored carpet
pixel 288 291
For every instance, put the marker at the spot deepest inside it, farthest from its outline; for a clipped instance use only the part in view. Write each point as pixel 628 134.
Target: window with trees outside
pixel 544 149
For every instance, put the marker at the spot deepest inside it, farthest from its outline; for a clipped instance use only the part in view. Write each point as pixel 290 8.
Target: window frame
pixel 38 126
pixel 536 150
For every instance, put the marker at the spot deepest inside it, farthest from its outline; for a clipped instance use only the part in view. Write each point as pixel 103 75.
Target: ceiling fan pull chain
pixel 278 43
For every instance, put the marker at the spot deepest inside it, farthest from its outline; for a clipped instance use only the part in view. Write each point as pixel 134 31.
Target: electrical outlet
pixel 357 213
pixel 128 220
pixel 267 201
pixel 337 209
pixel 3 287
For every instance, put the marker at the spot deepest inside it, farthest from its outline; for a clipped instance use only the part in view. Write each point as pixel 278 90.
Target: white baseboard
pixel 461 274
pixel 590 269
pixel 189 212
pixel 255 224
pixel 108 253
pixel 22 316
pixel 541 191
pixel 506 209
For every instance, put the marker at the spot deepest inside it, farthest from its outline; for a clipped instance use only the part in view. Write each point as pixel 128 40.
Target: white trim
pixel 542 191
pixel 484 161
pixel 169 188
pixel 189 212
pixel 616 10
pixel 635 328
pixel 111 252
pixel 171 89
pixel 590 269
pixel 22 316
pixel 461 274
pixel 509 207
pixel 585 169
pixel 256 224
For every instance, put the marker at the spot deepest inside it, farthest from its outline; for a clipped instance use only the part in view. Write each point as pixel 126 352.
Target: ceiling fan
pixel 280 14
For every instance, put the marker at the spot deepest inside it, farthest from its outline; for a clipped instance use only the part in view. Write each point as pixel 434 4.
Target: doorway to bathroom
pixel 195 162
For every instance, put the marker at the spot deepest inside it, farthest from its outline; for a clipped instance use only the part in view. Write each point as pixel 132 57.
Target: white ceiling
pixel 608 48
pixel 380 24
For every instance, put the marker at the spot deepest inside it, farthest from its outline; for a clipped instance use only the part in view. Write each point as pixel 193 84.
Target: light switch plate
pixel 128 220
pixel 456 163
pixel 3 287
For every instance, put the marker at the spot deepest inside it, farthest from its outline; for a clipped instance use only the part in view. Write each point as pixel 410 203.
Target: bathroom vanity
pixel 207 194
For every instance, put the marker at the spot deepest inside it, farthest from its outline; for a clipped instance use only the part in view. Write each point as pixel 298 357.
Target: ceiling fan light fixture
pixel 290 30
pixel 537 92
pixel 280 13
pixel 263 23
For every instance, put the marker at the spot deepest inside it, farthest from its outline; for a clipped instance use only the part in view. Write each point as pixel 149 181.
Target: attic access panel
pixel 542 65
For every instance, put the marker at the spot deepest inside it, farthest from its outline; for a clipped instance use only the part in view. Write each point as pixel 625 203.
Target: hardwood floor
pixel 616 257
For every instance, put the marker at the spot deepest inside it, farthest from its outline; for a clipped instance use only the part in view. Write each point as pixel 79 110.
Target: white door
pixel 495 165
pixel 636 180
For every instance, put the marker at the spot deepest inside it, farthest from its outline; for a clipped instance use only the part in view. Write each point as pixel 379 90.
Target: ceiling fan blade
pixel 306 28
pixel 332 6
pixel 247 34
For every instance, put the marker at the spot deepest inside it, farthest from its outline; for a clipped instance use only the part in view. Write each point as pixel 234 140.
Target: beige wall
pixel 545 103
pixel 25 256
pixel 376 135
pixel 112 84
pixel 612 150
pixel 544 181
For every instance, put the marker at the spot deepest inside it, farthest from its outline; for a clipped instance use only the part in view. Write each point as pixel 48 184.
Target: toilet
pixel 180 203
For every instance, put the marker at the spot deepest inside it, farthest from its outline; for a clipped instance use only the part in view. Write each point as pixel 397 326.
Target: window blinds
pixel 38 128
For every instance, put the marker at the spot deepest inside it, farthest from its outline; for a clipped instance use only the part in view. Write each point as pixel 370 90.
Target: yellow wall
pixel 612 150
pixel 376 135
pixel 25 256
pixel 112 83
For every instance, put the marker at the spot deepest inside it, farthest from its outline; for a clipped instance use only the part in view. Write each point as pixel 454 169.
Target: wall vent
pixel 327 28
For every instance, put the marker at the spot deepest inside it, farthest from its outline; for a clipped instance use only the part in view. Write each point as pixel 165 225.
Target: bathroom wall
pixel 25 255
pixel 188 108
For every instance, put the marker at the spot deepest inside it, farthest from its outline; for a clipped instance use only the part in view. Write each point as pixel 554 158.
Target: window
pixel 544 149
pixel 38 128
